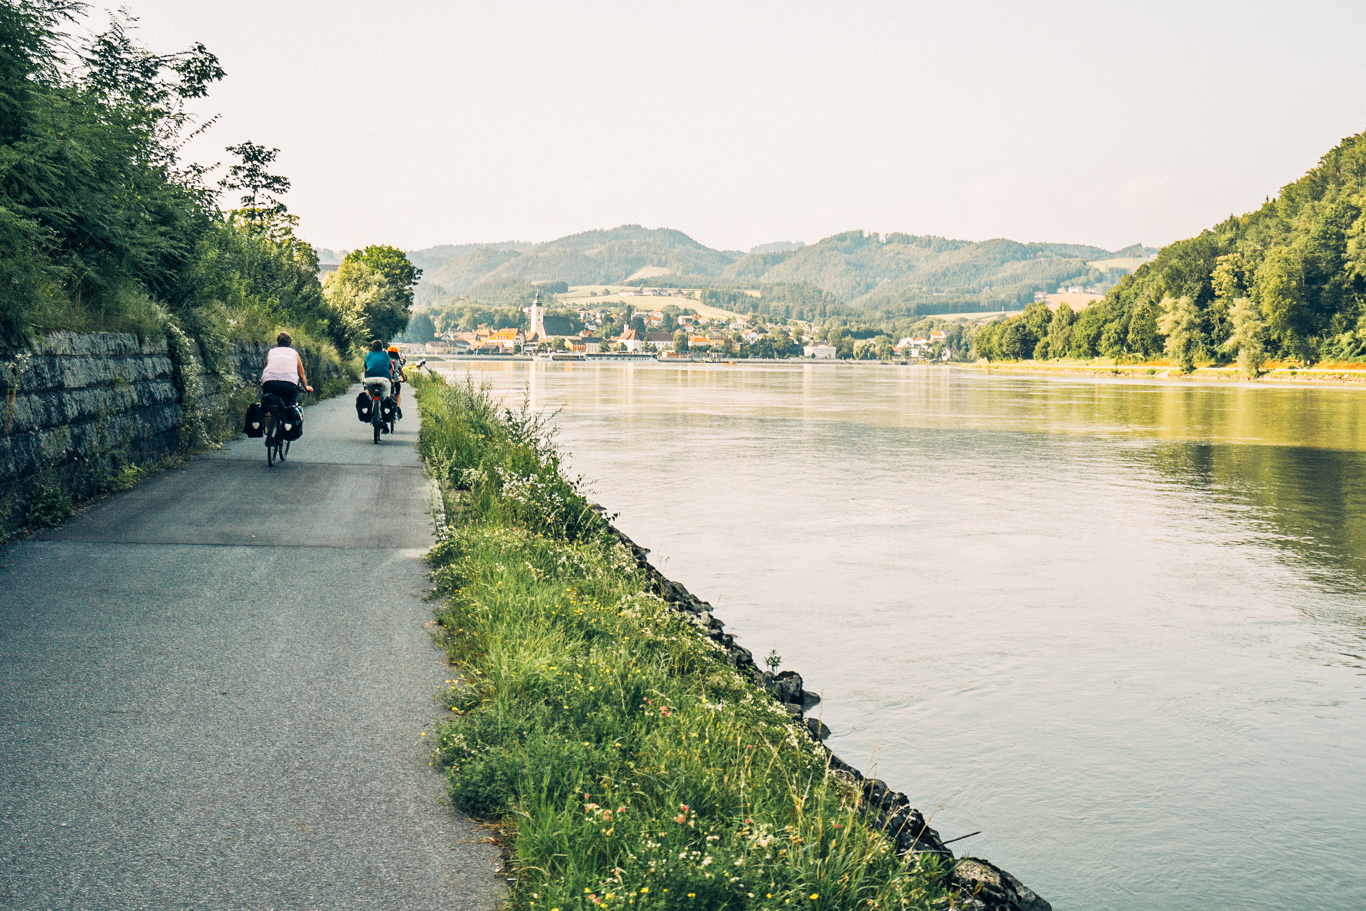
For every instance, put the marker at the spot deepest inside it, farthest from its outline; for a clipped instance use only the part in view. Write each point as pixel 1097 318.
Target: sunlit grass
pixel 630 764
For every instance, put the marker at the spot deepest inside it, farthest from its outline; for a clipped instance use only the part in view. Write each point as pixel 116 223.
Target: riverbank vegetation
pixel 626 760
pixel 1287 281
pixel 104 227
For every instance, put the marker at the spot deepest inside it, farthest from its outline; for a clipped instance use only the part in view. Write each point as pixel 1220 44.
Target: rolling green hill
pixel 607 256
pixel 898 273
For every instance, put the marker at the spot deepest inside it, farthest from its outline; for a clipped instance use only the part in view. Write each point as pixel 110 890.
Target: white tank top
pixel 281 364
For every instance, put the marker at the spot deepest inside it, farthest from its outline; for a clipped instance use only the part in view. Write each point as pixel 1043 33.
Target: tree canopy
pixel 104 227
pixel 1286 281
pixel 373 289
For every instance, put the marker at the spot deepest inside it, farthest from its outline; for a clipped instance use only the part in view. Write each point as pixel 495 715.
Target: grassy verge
pixel 629 763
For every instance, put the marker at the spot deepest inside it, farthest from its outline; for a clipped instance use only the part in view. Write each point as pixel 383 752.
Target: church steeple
pixel 538 318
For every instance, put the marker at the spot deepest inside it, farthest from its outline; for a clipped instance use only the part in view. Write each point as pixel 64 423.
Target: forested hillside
pixel 903 272
pixel 608 256
pixel 854 272
pixel 1286 281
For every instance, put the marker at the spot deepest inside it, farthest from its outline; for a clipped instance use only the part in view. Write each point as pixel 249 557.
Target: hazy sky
pixel 420 123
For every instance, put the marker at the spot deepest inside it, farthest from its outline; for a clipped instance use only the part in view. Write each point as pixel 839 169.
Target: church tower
pixel 538 318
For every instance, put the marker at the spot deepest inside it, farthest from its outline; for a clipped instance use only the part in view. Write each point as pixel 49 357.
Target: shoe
pixel 398 414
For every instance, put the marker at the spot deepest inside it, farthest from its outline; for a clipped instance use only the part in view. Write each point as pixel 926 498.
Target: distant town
pixel 664 334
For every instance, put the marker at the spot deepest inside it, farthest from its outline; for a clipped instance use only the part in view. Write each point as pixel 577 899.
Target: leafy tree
pixel 1037 319
pixel 1180 323
pixel 1246 338
pixel 1060 333
pixel 96 210
pixel 421 329
pixel 1279 289
pixel 1088 331
pixel 373 288
pixel 681 342
pixel 393 264
pixel 259 188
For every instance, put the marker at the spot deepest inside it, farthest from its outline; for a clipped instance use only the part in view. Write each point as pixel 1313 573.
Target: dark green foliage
pixel 50 506
pixel 95 207
pixel 259 188
pixel 373 291
pixel 1300 260
pixel 256 275
pixel 102 227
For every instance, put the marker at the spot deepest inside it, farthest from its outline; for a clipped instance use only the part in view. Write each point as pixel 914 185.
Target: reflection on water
pixel 1312 500
pixel 1115 625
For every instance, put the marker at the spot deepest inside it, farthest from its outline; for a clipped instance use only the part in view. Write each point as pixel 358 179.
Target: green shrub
pixel 49 507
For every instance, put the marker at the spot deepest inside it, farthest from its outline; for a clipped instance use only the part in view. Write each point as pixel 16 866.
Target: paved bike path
pixel 213 689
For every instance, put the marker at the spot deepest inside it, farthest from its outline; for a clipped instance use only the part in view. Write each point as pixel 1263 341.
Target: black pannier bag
pixel 256 420
pixel 363 407
pixel 388 410
pixel 292 424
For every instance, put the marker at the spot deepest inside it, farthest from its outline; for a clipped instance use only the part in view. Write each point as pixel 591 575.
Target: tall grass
pixel 631 765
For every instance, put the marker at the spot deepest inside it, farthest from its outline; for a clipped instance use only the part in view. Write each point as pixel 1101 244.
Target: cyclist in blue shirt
pixel 377 368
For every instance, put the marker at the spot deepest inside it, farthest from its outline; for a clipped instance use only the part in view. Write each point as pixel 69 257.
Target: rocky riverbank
pixel 987 887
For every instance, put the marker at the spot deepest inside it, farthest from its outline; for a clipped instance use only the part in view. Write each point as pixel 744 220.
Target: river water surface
pixel 1120 627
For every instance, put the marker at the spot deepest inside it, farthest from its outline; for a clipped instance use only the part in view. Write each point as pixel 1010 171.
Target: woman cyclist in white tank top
pixel 284 374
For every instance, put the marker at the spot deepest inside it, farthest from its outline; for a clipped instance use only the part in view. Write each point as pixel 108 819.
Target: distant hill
pixel 606 257
pixel 433 258
pixel 781 246
pixel 899 273
pixel 904 272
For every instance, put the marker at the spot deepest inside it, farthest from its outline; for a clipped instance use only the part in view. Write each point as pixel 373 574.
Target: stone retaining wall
pixel 82 407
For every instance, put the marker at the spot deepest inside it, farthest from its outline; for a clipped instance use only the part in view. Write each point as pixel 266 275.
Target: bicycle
pixel 277 447
pixel 380 405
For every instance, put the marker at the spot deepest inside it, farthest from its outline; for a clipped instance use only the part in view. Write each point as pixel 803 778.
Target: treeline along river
pixel 1118 626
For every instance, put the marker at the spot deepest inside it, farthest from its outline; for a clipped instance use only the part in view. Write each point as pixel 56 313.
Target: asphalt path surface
pixel 214 689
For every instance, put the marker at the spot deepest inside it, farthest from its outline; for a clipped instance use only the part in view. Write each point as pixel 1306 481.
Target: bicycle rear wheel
pixel 378 424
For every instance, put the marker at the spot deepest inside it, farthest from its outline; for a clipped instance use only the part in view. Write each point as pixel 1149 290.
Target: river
pixel 1118 626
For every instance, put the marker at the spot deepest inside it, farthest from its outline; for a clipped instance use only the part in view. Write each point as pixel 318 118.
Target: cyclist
pixel 377 370
pixel 284 373
pixel 397 377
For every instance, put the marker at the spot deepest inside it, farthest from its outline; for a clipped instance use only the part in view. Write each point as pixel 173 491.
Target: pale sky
pixel 420 123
